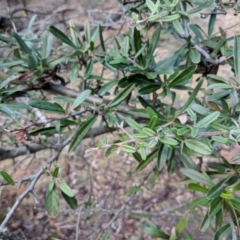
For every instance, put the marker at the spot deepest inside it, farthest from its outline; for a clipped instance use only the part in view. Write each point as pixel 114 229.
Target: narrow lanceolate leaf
pixel 7 178
pixel 74 72
pixel 45 105
pixel 89 69
pixel 224 231
pixel 153 44
pixel 220 187
pixel 121 96
pixel 7 111
pixel 81 133
pixel 211 24
pixel 170 18
pixel 183 76
pixel 162 156
pixel 81 98
pixel 22 44
pixel 236 57
pixel 196 176
pixel 190 99
pixel 198 147
pixel 101 38
pixel 169 141
pixel 149 132
pixel 134 125
pixel 61 36
pixel 52 200
pixel 208 120
pixel 196 187
pixel 154 232
pixel 66 189
pixel 178 27
pixel 128 149
pixel 106 87
pixel 148 160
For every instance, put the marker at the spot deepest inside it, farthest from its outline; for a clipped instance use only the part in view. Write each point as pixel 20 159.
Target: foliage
pixel 142 104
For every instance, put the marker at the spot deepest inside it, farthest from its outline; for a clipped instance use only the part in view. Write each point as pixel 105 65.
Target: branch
pixel 201 50
pixel 34 147
pixel 32 184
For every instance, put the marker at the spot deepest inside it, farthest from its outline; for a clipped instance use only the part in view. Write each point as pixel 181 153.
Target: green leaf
pixel 148 160
pixel 162 156
pixel 236 57
pixel 81 98
pixel 22 44
pixel 45 105
pixel 128 149
pixel 196 176
pixel 206 222
pixel 195 56
pixel 196 187
pixel 178 27
pixel 219 85
pixel 71 201
pixel 138 46
pixel 211 23
pixel 149 132
pixel 170 18
pixel 197 202
pixel 55 172
pixel 202 5
pixel 168 141
pixel 106 87
pixel 194 132
pixel 220 139
pixel 101 38
pixel 188 162
pixel 153 231
pixel 205 122
pixel 150 110
pixel 149 89
pixel 218 95
pixel 183 76
pixel 153 45
pixel 215 206
pixel 190 99
pixel 153 122
pixel 182 224
pixel 198 147
pixel 7 178
pixel 220 187
pixel 235 203
pixel 52 200
pixel 121 96
pixel 87 32
pixel 152 7
pixel 81 133
pixel 222 231
pixel 7 111
pixel 60 35
pixel 66 189
pixel 74 72
pixel 134 125
pixel 47 45
pixel 143 152
pixel 89 69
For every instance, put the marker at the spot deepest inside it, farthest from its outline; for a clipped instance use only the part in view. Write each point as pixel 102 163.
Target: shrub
pixel 142 103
